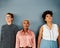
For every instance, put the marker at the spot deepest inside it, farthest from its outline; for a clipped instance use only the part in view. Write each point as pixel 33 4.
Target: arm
pixel 17 41
pixel 34 42
pixel 39 37
pixel 59 38
pixel 16 30
pixel 1 36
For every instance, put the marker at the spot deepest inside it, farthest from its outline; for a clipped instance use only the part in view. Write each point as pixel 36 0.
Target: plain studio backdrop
pixel 29 9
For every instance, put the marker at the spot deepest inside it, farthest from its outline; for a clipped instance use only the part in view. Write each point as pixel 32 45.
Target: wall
pixel 29 9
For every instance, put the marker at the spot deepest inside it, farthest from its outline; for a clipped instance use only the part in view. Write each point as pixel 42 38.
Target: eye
pixel 24 23
pixel 46 16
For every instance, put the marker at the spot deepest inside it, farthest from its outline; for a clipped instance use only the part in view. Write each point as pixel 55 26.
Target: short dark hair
pixel 12 16
pixel 45 13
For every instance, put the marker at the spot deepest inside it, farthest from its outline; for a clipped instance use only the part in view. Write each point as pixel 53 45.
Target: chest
pixel 25 37
pixel 52 32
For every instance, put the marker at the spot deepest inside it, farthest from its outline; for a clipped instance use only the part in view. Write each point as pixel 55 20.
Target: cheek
pixel 47 19
pixel 7 19
pixel 26 25
pixel 51 18
pixel 23 25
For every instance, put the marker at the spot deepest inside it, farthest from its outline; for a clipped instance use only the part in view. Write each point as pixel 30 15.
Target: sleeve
pixel 16 29
pixel 2 33
pixel 34 41
pixel 17 41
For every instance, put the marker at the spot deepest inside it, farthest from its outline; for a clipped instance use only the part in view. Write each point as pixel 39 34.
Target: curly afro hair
pixel 45 13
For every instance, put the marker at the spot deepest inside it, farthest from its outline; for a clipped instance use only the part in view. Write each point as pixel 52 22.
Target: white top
pixel 50 34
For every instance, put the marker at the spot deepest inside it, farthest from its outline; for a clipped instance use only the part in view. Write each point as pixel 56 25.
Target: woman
pixel 49 32
pixel 25 38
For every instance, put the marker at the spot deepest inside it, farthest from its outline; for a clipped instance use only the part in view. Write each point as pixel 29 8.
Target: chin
pixel 25 28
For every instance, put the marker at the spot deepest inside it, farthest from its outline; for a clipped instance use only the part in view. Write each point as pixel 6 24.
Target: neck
pixel 25 30
pixel 9 23
pixel 49 24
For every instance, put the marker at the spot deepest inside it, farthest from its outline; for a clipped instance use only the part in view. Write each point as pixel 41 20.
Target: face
pixel 8 18
pixel 48 18
pixel 26 24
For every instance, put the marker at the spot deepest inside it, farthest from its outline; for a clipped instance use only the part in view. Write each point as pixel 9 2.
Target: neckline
pixel 49 27
pixel 26 31
pixel 10 25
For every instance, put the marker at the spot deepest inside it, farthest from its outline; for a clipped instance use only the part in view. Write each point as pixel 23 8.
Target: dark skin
pixel 48 19
pixel 59 38
pixel 26 25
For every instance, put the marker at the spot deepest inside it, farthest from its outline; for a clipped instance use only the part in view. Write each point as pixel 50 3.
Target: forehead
pixel 7 15
pixel 26 21
pixel 48 14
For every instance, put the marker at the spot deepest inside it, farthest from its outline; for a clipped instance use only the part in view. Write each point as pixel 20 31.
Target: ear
pixel 45 19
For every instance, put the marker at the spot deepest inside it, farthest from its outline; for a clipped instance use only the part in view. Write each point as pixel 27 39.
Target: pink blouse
pixel 25 39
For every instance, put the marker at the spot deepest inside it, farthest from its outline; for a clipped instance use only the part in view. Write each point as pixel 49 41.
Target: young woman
pixel 49 32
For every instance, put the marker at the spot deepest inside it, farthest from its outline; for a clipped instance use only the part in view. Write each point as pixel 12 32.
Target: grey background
pixel 29 9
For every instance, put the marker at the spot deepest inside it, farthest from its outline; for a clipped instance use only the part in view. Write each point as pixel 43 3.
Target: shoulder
pixel 31 32
pixel 43 26
pixel 14 25
pixel 55 25
pixel 19 32
pixel 4 26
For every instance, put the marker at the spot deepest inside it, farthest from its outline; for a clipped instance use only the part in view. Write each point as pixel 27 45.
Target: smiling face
pixel 26 24
pixel 8 19
pixel 48 18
